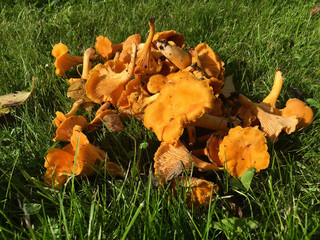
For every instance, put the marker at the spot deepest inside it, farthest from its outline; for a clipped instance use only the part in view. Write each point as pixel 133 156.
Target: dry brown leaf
pixel 228 87
pixel 13 100
pixel 315 10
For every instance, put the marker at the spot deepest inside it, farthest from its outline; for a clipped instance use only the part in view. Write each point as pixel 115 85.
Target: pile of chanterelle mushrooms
pixel 172 91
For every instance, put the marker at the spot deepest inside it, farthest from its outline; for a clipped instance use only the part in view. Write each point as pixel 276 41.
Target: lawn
pixel 253 38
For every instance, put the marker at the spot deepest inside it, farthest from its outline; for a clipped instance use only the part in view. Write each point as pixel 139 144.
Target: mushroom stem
pixel 247 102
pixel 144 55
pixel 175 54
pixel 203 166
pixel 204 138
pixel 86 62
pixel 271 99
pixel 149 100
pixel 191 134
pixel 212 122
pixel 74 108
pixel 116 47
pixel 199 152
pixel 103 107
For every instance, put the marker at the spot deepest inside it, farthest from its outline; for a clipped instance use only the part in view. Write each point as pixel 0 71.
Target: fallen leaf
pixel 315 10
pixel 13 100
pixel 228 87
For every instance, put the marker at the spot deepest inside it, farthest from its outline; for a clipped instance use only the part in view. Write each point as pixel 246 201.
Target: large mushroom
pixel 244 148
pixel 181 102
pixel 79 158
pixel 106 82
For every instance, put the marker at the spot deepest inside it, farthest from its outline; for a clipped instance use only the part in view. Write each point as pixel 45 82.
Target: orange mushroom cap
pixel 126 52
pixel 105 47
pixel 78 158
pixel 297 108
pixel 156 82
pixel 199 191
pixel 209 61
pixel 244 148
pixel 145 63
pixel 169 35
pixel 169 158
pixel 179 103
pixel 65 130
pixel 106 82
pixel 64 61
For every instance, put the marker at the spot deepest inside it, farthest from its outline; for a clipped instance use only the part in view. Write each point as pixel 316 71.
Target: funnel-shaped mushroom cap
pixel 77 158
pixel 106 82
pixel 64 61
pixel 295 107
pixel 126 52
pixel 209 62
pixel 169 157
pixel 244 148
pixel 199 191
pixel 105 47
pixel 271 124
pixel 146 64
pixel 65 130
pixel 179 103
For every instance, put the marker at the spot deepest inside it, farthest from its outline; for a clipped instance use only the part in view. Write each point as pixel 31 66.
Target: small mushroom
pixel 244 148
pixel 199 191
pixel 105 47
pixel 64 61
pixel 156 82
pixel 271 124
pixel 146 64
pixel 168 156
pixel 65 130
pixel 297 108
pixel 78 158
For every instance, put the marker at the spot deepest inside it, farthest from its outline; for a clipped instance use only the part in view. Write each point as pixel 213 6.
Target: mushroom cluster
pixel 179 95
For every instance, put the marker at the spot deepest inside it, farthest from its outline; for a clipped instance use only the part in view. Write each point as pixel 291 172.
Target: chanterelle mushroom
pixel 242 149
pixel 169 156
pixel 64 60
pixel 106 82
pixel 179 103
pixel 271 124
pixel 199 191
pixel 61 163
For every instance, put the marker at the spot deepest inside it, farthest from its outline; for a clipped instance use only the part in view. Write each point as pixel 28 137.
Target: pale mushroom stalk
pixel 149 100
pixel 212 122
pixel 192 135
pixel 271 99
pixel 103 107
pixel 144 57
pixel 175 54
pixel 75 108
pixel 86 62
pixel 199 152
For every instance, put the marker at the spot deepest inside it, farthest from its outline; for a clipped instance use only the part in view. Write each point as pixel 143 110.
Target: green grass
pixel 253 38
